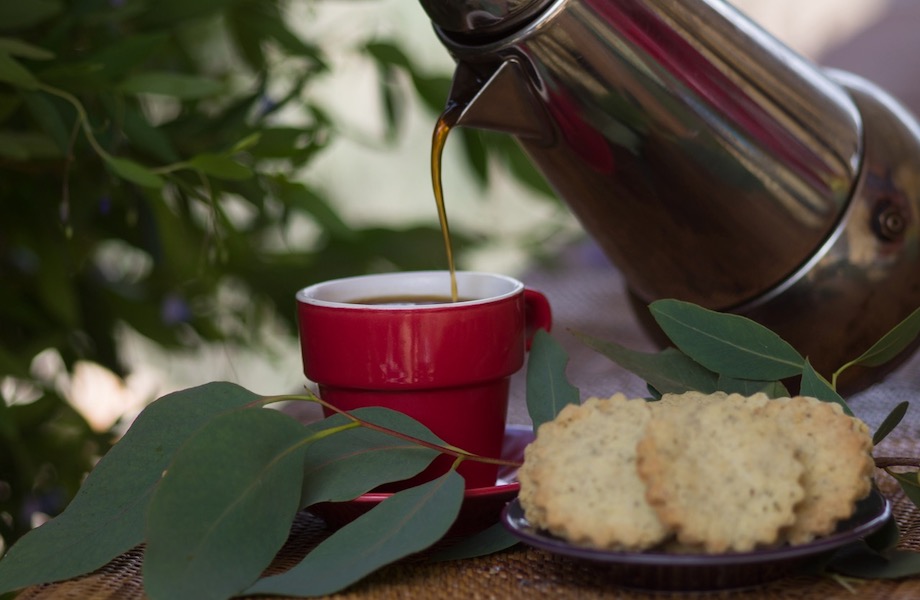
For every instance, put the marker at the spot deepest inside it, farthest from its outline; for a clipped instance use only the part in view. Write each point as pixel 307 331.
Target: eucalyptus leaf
pixel 432 90
pixel 11 148
pixel 107 516
pixel 476 154
pixel 19 15
pixel 893 419
pixel 300 197
pixel 727 344
pixel 404 524
pixel 127 53
pixel 669 371
pixel 23 49
pixel 353 462
pixel 817 387
pixel 49 118
pixel 891 344
pixel 548 389
pixel 222 167
pixel 28 145
pixel 488 541
pixel 863 562
pixel 910 484
pixel 144 136
pixel 135 173
pixel 225 506
pixel 885 539
pixel 12 72
pixel 389 54
pixel 177 85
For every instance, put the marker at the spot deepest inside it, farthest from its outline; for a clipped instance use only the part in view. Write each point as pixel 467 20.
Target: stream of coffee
pixel 445 123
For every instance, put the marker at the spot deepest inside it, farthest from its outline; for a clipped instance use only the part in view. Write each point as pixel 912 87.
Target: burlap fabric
pixel 587 296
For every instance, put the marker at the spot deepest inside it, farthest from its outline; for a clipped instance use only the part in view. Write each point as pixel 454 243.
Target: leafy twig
pixel 447 449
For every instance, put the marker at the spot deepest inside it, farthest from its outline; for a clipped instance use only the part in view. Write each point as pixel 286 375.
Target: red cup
pixel 447 365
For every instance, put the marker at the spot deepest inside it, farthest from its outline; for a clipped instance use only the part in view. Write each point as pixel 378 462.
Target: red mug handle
pixel 537 314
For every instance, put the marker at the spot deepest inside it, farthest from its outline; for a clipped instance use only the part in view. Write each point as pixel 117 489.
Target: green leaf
pixel 406 523
pixel 165 13
pixel 388 54
pixel 12 72
pixel 18 47
pixel 184 87
pixel 727 344
pixel 353 462
pixel 476 154
pixel 817 387
pixel 301 198
pixel 47 115
pixel 489 541
pixel 433 91
pixel 144 136
pixel 893 419
pixel 225 506
pixel 222 167
pixel 131 171
pixel 860 561
pixel 106 518
pixel 20 15
pixel 548 389
pixel 891 344
pixel 885 539
pixel 909 483
pixel 669 371
pixel 120 55
pixel 21 146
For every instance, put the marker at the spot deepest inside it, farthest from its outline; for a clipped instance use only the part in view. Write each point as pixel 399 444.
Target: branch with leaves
pixel 211 478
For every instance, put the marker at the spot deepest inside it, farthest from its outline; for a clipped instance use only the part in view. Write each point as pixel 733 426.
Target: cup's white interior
pixel 471 286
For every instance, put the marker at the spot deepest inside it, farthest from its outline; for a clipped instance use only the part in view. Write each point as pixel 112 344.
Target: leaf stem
pixel 886 462
pixel 447 449
pixel 83 119
pixel 81 116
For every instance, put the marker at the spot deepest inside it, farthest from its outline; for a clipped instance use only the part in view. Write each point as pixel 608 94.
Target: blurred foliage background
pixel 152 155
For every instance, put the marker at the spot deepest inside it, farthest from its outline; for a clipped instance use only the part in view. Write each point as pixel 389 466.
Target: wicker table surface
pixel 516 573
pixel 586 296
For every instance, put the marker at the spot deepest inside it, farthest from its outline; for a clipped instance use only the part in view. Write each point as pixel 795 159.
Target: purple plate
pixel 698 572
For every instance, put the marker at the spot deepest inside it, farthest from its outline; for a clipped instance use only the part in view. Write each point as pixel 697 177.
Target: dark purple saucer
pixel 699 572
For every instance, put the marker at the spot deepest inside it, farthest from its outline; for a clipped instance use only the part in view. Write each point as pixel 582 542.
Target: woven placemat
pixel 510 574
pixel 516 573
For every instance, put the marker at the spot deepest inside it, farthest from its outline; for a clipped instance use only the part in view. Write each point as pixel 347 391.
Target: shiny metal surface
pixel 712 163
pixel 866 278
pixel 707 159
pixel 481 17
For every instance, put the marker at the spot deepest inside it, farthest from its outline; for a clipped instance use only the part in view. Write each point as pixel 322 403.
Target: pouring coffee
pixel 709 161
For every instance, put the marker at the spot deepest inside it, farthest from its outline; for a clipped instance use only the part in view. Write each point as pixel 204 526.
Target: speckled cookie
pixel 579 479
pixel 835 450
pixel 721 474
pixel 698 399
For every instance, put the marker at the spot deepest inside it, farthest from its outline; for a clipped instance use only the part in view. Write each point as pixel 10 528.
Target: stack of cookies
pixel 696 473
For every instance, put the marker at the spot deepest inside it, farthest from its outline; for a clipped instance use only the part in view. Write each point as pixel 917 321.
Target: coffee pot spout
pixel 708 160
pixel 501 101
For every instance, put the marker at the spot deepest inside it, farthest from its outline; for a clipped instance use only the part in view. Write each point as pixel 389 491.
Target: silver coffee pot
pixel 709 161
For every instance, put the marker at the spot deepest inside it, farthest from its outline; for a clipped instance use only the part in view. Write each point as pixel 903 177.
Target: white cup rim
pixel 480 287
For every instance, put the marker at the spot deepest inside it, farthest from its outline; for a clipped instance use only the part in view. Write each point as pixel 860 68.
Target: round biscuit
pixel 579 478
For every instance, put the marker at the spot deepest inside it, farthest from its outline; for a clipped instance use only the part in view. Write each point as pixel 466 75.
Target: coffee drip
pixel 445 123
pixel 709 161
